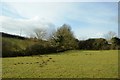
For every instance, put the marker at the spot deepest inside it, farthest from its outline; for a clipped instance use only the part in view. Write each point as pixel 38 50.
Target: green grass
pixel 69 64
pixel 21 43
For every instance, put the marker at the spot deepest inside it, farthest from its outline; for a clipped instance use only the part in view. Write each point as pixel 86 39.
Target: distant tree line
pixel 100 44
pixel 61 40
pixel 11 36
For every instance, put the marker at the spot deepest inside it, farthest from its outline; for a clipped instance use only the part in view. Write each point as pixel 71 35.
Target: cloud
pixel 91 19
pixel 11 25
pixel 60 0
pixel 9 11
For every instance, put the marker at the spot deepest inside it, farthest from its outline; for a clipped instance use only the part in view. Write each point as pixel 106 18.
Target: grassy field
pixel 21 43
pixel 69 64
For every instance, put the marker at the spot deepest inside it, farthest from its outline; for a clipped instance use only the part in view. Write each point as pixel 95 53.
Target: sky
pixel 87 19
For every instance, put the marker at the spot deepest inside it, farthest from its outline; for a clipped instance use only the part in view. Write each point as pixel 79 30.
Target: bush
pixel 9 49
pixel 94 44
pixel 115 43
pixel 34 49
pixel 40 48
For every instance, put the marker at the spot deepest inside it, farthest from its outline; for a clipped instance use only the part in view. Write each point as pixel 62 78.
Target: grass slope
pixel 69 64
pixel 19 42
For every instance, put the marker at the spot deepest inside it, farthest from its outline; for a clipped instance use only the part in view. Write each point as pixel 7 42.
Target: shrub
pixel 42 47
pixel 94 44
pixel 9 48
pixel 35 49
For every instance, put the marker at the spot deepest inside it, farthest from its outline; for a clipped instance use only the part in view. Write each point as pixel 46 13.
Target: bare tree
pixel 38 33
pixel 110 35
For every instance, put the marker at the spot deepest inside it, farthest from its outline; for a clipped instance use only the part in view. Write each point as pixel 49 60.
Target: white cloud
pixel 60 0
pixel 27 26
pixel 89 33
pixel 84 18
pixel 49 11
